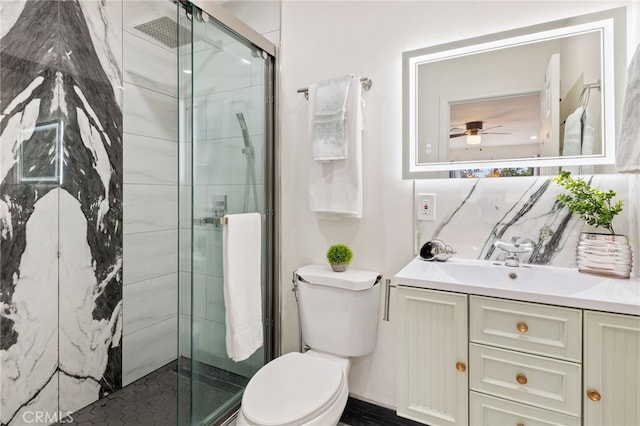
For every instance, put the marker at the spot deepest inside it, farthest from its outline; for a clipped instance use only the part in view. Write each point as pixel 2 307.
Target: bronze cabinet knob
pixel 522 379
pixel 593 395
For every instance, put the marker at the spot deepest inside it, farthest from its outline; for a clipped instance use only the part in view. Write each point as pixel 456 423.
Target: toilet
pixel 338 316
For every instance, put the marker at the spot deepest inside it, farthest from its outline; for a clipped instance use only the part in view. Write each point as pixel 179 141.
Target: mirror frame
pixel 611 23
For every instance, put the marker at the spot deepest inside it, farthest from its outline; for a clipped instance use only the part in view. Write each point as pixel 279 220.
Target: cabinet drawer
pixel 530 379
pixel 490 411
pixel 528 327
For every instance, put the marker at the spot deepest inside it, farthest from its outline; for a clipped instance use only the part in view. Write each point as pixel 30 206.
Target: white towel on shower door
pixel 335 187
pixel 242 261
pixel 628 144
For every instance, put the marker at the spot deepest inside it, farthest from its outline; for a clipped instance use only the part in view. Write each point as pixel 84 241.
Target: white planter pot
pixel 339 267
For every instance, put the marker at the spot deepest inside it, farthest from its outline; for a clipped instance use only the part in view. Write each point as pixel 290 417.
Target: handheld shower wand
pixel 245 129
pixel 249 152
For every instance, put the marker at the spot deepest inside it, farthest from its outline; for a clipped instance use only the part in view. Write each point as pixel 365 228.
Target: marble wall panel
pixel 61 208
pixel 472 213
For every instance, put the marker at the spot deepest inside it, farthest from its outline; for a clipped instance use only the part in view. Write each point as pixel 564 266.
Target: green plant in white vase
pixel 339 257
pixel 602 254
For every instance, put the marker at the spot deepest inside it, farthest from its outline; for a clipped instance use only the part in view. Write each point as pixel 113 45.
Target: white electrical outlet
pixel 426 207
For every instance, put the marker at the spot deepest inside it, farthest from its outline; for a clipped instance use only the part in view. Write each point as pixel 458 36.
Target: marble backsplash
pixel 471 213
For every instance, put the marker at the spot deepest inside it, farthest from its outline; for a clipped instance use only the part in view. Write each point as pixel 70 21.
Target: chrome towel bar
pixel 366 85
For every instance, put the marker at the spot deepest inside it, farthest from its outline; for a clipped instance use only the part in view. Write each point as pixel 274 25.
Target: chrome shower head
pixel 165 30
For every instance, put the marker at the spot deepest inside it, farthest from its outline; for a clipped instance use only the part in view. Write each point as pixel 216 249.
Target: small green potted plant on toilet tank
pixel 602 254
pixel 339 257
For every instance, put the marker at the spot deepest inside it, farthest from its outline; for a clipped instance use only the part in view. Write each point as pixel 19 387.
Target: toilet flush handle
pixel 387 296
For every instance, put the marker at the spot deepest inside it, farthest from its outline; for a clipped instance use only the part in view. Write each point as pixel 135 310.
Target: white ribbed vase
pixel 604 254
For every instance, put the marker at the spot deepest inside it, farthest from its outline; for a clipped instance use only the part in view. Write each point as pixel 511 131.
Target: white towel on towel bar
pixel 628 144
pixel 572 142
pixel 242 261
pixel 573 133
pixel 335 187
pixel 329 135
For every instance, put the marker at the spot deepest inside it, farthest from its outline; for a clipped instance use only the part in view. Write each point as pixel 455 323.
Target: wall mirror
pixel 523 102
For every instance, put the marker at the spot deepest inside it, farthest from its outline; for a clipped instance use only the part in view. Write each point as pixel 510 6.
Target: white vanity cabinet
pixel 611 369
pixel 432 383
pixel 471 359
pixel 527 355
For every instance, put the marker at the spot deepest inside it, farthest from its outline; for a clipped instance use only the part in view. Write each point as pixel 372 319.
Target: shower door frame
pixel 272 169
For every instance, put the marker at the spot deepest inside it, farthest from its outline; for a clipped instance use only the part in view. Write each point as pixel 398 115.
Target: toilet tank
pixel 338 310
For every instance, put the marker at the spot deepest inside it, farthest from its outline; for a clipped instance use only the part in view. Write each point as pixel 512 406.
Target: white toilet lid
pixel 292 389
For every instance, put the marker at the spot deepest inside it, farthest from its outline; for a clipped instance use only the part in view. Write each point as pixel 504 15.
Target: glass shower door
pixel 226 153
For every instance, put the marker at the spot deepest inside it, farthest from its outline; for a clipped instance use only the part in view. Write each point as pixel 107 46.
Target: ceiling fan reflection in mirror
pixel 473 130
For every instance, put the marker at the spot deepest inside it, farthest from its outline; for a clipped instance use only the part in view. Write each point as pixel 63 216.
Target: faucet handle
pixel 517 245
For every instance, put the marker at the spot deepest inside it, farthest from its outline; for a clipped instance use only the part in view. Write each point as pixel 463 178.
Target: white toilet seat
pixel 293 389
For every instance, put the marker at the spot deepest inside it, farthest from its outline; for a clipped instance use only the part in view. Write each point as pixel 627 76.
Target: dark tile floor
pixel 361 413
pixel 151 401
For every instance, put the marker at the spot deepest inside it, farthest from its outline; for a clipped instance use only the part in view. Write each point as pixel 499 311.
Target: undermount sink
pixel 544 284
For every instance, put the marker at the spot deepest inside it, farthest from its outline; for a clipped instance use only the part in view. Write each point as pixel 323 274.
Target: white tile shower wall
pixel 471 213
pixel 149 302
pixel 326 39
pixel 150 195
pixel 145 350
pixel 148 112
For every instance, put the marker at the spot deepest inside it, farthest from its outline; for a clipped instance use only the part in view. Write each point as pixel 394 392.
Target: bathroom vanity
pixel 484 344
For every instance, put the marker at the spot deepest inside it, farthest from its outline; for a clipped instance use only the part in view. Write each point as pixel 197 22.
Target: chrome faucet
pixel 517 246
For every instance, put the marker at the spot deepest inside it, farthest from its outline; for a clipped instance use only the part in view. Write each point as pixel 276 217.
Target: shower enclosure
pixel 226 166
pixel 127 129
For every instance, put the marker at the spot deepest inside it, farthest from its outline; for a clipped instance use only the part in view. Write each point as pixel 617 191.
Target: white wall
pixel 321 39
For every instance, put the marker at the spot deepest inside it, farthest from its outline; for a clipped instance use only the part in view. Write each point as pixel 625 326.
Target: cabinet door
pixel 611 369
pixel 432 385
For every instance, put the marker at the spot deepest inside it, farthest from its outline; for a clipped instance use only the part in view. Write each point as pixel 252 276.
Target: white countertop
pixel 533 283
